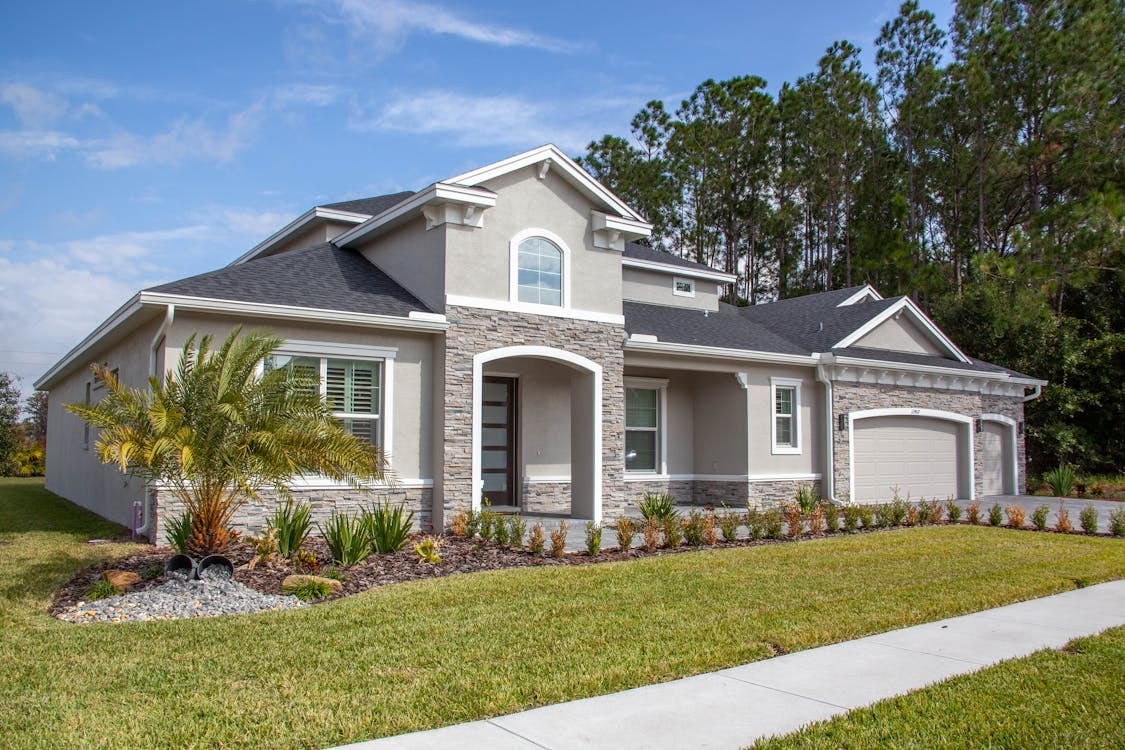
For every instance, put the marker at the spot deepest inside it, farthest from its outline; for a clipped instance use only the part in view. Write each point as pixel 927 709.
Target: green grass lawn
pixel 442 651
pixel 1073 698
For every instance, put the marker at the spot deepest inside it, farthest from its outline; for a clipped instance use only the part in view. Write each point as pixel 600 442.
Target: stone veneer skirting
pixel 735 493
pixel 552 498
pixel 251 517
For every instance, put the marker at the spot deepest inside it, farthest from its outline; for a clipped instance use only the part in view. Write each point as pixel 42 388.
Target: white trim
pixel 903 305
pixel 612 232
pixel 566 166
pixel 525 308
pixel 317 212
pixel 330 349
pixel 715 352
pixel 829 486
pixel 677 280
pixel 316 482
pixel 660 385
pixel 513 265
pixel 267 310
pixel 696 273
pixel 911 412
pixel 439 192
pixel 749 478
pixel 1013 445
pixel 868 292
pixel 795 448
pixel 537 352
pixel 547 479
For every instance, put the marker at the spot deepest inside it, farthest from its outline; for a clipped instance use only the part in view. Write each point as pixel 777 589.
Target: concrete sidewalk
pixel 734 707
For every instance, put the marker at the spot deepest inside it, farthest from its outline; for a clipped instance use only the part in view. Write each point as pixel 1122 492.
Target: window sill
pixel 786 450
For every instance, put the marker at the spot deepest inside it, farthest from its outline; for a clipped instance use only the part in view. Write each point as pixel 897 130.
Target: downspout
pixel 149 525
pixel 828 478
pixel 1034 394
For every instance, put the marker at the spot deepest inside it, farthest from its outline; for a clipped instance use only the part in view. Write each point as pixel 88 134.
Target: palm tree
pixel 220 429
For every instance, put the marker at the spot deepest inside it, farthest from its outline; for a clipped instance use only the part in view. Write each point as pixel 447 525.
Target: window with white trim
pixel 540 272
pixel 785 396
pixel 683 287
pixel 644 425
pixel 353 388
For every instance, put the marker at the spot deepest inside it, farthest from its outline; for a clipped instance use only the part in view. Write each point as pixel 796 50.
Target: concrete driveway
pixel 1031 502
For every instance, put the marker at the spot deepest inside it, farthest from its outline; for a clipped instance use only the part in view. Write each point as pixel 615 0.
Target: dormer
pixel 659 278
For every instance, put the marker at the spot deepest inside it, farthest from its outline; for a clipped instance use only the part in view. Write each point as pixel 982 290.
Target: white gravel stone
pixel 178 597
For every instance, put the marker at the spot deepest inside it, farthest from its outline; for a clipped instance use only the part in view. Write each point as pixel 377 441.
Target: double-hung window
pixel 353 387
pixel 786 429
pixel 644 425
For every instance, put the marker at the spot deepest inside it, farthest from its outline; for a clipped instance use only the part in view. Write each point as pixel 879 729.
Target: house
pixel 501 334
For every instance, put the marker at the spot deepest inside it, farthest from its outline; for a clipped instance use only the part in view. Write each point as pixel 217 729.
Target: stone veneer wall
pixel 552 498
pixel 251 517
pixel 473 331
pixel 849 397
pixel 732 492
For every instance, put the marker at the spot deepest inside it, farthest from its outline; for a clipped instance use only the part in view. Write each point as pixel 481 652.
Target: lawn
pixel 442 651
pixel 1073 698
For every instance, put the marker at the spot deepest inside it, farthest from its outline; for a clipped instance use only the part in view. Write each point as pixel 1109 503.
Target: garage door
pixel 919 455
pixel 996 460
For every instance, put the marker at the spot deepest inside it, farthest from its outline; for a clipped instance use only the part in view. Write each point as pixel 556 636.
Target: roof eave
pixel 671 268
pixel 645 344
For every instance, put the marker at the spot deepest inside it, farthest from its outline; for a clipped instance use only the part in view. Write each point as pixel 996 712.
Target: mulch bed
pixel 458 555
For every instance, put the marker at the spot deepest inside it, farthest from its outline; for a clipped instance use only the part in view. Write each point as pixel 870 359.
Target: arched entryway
pixel 497 376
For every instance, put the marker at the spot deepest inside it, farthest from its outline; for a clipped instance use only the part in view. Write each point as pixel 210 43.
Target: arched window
pixel 540 269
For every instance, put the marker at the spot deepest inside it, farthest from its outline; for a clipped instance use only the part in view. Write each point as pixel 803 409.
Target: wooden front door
pixel 498 440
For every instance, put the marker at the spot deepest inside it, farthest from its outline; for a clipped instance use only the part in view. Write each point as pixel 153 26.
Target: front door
pixel 498 440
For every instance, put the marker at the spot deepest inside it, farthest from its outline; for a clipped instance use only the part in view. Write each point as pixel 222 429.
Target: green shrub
pixel 693 529
pixel 536 538
pixel 1061 480
pixel 517 530
pixel 593 538
pixel 347 539
pixel 558 539
pixel 625 531
pixel 1117 521
pixel 658 505
pixel 264 546
pixel 952 510
pixel 152 571
pixel 851 517
pixel 925 510
pixel 500 531
pixel 334 573
pixel 831 517
pixel 755 524
pixel 306 560
pixel 995 515
pixel 673 533
pixel 972 510
pixel 1088 519
pixel 898 510
pixel 472 523
pixel 428 550
pixel 866 515
pixel 772 523
pixel 388 526
pixel 291 523
pixel 487 519
pixel 728 525
pixel 177 529
pixel 103 589
pixel 309 589
pixel 1039 517
pixel 806 498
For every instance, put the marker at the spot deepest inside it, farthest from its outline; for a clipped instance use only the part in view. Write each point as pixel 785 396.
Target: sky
pixel 144 141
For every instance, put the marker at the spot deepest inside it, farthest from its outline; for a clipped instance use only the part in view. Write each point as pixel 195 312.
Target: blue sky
pixel 146 141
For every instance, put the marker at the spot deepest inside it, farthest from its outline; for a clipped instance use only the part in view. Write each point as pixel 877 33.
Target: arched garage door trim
pixel 1014 464
pixel 967 423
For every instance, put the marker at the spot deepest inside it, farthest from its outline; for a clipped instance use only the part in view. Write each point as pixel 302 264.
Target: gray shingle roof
pixel 725 328
pixel 371 206
pixel 813 323
pixel 643 252
pixel 884 355
pixel 323 276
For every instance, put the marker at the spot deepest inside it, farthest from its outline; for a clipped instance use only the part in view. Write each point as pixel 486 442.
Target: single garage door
pixel 996 458
pixel 919 455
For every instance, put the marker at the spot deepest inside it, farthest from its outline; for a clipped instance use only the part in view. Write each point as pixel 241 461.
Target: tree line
pixel 977 169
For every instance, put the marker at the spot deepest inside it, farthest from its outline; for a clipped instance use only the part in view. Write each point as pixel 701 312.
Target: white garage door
pixel 996 459
pixel 919 455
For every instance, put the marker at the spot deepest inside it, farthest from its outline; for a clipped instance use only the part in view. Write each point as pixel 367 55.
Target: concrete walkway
pixel 734 707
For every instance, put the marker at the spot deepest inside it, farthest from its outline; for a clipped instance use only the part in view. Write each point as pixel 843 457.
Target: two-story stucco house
pixel 500 334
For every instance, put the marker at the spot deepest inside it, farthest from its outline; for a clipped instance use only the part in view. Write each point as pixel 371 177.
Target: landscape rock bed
pixel 178 597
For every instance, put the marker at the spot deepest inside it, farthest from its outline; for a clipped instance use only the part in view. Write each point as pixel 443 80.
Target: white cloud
pixel 490 120
pixel 35 144
pixel 186 139
pixel 386 24
pixel 34 108
pixel 306 94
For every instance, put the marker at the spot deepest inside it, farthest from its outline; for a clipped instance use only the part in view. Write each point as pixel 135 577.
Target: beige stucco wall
pixel 413 256
pixel 654 287
pixel 899 335
pixel 413 380
pixel 478 259
pixel 73 469
pixel 721 435
pixel 811 421
pixel 544 404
